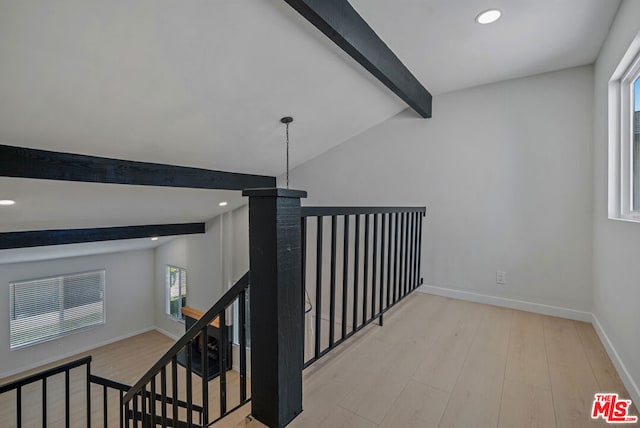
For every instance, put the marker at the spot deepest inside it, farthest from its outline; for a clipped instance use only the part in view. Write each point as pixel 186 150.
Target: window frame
pixel 621 117
pixel 61 307
pixel 180 316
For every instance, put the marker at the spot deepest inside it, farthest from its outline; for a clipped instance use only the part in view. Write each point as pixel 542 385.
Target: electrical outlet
pixel 501 277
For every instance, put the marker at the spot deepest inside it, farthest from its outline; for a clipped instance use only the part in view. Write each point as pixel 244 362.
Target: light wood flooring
pixel 440 362
pixel 437 362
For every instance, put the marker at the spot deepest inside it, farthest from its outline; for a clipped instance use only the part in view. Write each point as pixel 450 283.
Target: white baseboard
pixel 539 308
pixel 166 333
pixel 557 311
pixel 629 383
pixel 75 352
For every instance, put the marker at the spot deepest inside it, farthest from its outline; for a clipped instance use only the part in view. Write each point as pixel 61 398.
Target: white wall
pixel 210 269
pixel 505 171
pixel 616 243
pixel 128 293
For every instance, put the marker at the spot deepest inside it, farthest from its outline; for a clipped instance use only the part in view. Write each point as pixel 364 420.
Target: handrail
pixel 109 383
pixel 45 374
pixel 329 211
pixel 195 329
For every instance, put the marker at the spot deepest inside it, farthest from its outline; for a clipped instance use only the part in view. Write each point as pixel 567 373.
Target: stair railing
pixel 140 403
pixel 379 252
pixel 120 389
pixel 42 377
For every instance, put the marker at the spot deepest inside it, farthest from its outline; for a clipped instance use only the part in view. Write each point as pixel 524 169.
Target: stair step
pixel 158 420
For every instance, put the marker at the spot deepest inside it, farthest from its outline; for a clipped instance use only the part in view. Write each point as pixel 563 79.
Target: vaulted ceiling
pixel 204 83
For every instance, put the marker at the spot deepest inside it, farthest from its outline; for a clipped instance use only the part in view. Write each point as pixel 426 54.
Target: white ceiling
pixel 46 204
pixel 204 83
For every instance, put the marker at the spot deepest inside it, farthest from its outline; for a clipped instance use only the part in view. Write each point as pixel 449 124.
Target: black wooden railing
pixel 120 389
pixel 42 377
pixel 360 262
pixel 153 401
pixel 386 245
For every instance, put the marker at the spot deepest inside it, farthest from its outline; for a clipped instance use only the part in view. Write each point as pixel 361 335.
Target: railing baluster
pixel 163 392
pixel 356 269
pixel 374 258
pixel 104 405
pixel 135 411
pixel 121 410
pixel 420 248
pixel 345 276
pixel 243 346
pixel 143 406
pixel 389 286
pixel 406 253
pixel 395 260
pixel 19 407
pixel 88 380
pixel 415 251
pixel 152 400
pixel 318 310
pixel 403 244
pixel 174 386
pixel 410 254
pixel 189 383
pixel 332 291
pixel 222 357
pixel 44 402
pixel 365 276
pixel 382 236
pixel 66 398
pixel 204 363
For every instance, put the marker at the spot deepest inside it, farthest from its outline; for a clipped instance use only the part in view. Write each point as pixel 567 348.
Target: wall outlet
pixel 501 277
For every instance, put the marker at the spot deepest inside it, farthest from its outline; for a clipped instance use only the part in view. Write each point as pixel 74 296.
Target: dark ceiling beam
pixel 40 238
pixel 47 165
pixel 339 21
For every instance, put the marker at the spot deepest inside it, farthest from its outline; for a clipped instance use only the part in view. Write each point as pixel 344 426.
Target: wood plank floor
pixel 437 362
pixel 440 362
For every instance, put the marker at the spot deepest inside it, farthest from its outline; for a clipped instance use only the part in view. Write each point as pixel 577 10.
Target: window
pixel 48 308
pixel 636 145
pixel 176 291
pixel 624 137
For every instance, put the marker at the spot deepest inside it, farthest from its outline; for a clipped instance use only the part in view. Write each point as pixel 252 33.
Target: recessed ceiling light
pixel 155 238
pixel 489 16
pixel 7 202
pixel 223 204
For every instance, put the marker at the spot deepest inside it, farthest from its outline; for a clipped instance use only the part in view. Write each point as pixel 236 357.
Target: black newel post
pixel 277 335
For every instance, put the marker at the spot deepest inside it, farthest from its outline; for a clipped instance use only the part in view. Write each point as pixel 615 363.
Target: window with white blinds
pixel 48 308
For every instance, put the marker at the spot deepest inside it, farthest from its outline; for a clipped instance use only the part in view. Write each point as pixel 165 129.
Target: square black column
pixel 277 335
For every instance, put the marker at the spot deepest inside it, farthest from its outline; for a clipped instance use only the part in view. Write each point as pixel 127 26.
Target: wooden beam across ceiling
pixel 340 22
pixel 47 165
pixel 40 238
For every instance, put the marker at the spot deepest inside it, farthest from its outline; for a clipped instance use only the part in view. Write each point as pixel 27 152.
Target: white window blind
pixel 48 308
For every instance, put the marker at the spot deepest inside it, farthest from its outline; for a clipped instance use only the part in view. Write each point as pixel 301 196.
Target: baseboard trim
pixel 75 352
pixel 166 333
pixel 629 383
pixel 556 311
pixel 539 308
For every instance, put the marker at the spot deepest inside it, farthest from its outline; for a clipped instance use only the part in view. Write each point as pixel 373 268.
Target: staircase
pixel 155 399
pixel 380 257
